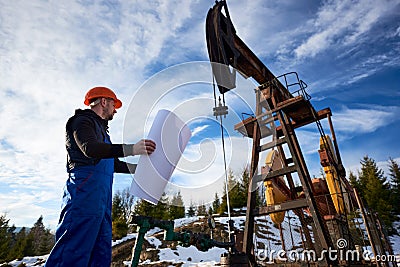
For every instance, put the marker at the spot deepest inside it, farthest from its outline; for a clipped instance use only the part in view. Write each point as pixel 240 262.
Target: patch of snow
pixel 28 261
pixel 153 241
pixel 238 222
pixel 395 239
pixel 154 231
pixel 190 255
pixel 185 221
pixel 129 236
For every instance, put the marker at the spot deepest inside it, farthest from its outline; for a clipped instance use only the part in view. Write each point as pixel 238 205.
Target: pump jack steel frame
pixel 275 103
pixel 278 104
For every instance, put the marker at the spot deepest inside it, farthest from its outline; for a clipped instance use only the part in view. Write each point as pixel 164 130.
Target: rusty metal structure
pixel 324 216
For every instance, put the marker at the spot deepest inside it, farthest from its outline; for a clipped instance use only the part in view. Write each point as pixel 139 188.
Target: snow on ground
pixel 185 221
pixel 28 261
pixel 238 222
pixel 190 256
pixel 129 236
pixel 153 240
pixel 395 240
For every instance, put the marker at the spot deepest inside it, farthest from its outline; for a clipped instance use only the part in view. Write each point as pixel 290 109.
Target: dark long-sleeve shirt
pixel 85 142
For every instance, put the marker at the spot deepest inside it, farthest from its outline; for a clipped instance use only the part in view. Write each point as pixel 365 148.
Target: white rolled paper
pixel 153 172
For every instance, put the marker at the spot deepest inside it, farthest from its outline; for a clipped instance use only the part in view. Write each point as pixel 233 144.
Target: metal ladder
pixel 268 111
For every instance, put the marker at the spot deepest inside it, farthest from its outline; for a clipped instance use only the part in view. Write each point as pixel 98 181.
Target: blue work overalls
pixel 84 233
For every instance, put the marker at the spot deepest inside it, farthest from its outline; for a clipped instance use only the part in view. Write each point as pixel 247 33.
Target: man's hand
pixel 143 147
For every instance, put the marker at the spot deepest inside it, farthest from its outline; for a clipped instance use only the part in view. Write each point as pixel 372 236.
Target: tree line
pixel 170 208
pixel 16 244
pixel 380 192
pixel 38 240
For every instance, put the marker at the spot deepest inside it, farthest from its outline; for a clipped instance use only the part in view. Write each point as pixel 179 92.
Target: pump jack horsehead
pixel 320 205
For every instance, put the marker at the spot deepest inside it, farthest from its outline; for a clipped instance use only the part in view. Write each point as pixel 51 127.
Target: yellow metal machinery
pixel 323 208
pixel 332 179
pixel 274 195
pixel 276 191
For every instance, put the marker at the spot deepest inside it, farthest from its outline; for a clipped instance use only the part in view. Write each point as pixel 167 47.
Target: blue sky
pixel 52 52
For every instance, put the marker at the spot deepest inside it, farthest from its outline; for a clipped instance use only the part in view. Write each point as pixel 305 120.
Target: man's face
pixel 109 109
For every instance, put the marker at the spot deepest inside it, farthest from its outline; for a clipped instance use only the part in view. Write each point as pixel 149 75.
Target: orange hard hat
pixel 100 91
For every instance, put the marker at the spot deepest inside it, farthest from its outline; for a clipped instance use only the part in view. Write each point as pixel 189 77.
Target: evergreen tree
pixel 117 207
pixel 12 233
pixel 46 243
pixel 37 232
pixel 119 228
pixel 29 251
pixel 202 210
pixel 5 238
pixel 119 221
pixel 40 239
pixel 243 188
pixel 177 208
pixel 237 191
pixel 191 212
pixel 246 179
pixel 210 210
pixel 216 203
pixel 143 208
pixel 235 195
pixel 232 193
pixel 19 249
pixel 160 211
pixel 354 181
pixel 224 205
pixel 368 170
pixel 394 173
pixel 375 190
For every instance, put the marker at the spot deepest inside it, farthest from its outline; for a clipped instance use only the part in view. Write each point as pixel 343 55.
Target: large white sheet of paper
pixel 153 172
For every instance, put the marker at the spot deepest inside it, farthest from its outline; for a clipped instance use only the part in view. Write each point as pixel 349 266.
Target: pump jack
pixel 286 105
pixel 281 107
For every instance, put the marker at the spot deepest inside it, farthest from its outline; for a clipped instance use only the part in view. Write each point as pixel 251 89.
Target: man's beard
pixel 110 117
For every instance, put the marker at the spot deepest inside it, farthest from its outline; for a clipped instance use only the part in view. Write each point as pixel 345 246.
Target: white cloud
pixel 199 129
pixel 341 23
pixel 397 33
pixel 51 54
pixel 365 119
pixel 265 28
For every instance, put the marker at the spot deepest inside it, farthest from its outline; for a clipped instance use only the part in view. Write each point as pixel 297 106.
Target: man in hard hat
pixel 83 235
